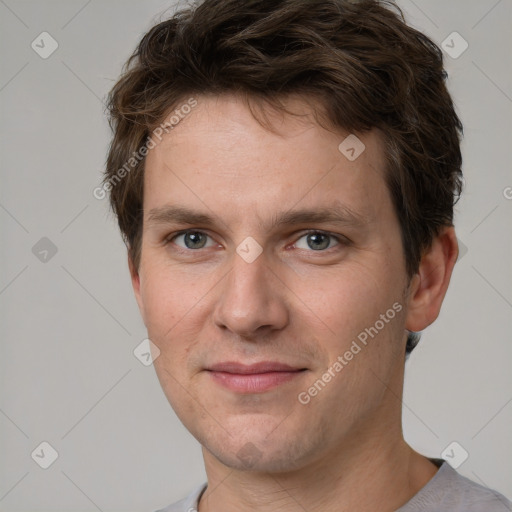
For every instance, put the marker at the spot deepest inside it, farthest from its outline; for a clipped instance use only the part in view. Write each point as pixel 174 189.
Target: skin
pixel 344 450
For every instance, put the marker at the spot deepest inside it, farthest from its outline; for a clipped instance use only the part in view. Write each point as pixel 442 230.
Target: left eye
pixel 316 241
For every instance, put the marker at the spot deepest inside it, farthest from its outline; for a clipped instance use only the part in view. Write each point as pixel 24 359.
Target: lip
pixel 248 369
pixel 254 378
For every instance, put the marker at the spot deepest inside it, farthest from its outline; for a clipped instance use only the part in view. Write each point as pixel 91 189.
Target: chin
pixel 259 453
pixel 250 458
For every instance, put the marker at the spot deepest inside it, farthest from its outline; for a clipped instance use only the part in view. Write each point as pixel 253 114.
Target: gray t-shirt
pixel 447 491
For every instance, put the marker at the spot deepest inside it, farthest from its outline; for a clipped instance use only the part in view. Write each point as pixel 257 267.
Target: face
pixel 261 250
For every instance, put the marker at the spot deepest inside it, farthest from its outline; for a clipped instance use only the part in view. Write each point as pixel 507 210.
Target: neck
pixel 365 476
pixel 371 468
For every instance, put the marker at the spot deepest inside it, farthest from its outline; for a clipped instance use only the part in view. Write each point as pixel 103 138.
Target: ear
pixel 428 286
pixel 135 277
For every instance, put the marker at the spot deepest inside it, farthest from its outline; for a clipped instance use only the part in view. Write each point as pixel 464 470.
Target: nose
pixel 252 299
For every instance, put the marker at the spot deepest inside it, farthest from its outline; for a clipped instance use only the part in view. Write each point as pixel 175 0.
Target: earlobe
pixel 428 287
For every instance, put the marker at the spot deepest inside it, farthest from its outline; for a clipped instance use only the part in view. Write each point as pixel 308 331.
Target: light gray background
pixel 69 325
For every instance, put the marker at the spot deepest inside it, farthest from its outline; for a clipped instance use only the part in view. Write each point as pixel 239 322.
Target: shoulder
pixel 449 491
pixel 188 504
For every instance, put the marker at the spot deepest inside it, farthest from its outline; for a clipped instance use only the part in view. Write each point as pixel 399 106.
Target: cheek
pixel 345 300
pixel 175 305
pixel 162 305
pixel 349 304
pixel 168 315
pixel 166 291
pixel 158 300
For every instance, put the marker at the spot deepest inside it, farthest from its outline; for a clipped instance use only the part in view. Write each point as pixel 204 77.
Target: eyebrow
pixel 337 214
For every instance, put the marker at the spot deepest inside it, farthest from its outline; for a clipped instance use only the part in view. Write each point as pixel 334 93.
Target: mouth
pixel 254 378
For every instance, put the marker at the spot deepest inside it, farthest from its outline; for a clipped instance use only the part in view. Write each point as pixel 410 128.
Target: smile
pixel 256 378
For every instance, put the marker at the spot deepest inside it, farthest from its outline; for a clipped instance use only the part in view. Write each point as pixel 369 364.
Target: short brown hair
pixel 358 59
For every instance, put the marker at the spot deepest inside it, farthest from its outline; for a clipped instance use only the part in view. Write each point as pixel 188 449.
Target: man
pixel 284 174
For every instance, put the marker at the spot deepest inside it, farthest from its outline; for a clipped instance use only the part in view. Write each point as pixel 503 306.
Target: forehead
pixel 218 155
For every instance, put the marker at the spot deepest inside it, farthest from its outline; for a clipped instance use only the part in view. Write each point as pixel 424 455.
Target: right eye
pixel 191 239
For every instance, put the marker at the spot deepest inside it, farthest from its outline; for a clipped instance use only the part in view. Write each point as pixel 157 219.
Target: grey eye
pixel 192 240
pixel 316 241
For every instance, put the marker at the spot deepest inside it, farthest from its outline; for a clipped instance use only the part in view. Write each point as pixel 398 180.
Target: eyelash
pixel 342 241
